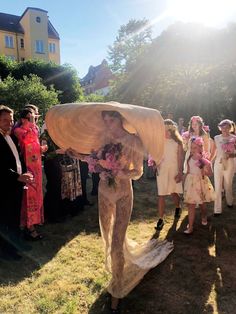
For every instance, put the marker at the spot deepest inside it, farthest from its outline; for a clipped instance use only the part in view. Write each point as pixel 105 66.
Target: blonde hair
pixel 171 126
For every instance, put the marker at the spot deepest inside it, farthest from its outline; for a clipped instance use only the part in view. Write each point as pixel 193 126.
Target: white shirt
pixel 15 153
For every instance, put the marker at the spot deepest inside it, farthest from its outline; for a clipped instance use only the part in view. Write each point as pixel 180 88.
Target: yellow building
pixel 29 36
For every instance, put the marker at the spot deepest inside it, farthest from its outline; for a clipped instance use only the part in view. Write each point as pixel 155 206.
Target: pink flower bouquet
pixel 229 146
pixel 106 161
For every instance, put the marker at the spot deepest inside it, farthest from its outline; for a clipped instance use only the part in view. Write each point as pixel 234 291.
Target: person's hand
pixel 60 151
pixel 26 177
pixel 72 153
pixel 44 146
pixel 178 177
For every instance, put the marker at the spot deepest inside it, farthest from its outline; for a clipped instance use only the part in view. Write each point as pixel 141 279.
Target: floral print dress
pixel 32 203
pixel 197 188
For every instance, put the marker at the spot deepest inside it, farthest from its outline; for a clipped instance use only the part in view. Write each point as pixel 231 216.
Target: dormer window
pixel 38 19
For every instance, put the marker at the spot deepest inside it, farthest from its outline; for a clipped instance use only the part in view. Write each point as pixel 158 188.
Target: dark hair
pixel 25 112
pixel 31 106
pixel 5 109
pixel 114 114
pixel 174 132
pixel 200 123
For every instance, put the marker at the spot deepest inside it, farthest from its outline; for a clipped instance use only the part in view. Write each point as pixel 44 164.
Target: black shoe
pixel 160 224
pixel 230 206
pixel 177 212
pixel 217 214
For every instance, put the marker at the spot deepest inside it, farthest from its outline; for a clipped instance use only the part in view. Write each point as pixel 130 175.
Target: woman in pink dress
pixel 32 204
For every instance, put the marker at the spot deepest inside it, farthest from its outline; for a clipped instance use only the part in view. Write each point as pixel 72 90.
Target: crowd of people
pixel 24 150
pixel 190 157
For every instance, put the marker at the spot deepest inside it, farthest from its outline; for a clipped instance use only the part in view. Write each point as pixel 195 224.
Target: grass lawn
pixel 64 273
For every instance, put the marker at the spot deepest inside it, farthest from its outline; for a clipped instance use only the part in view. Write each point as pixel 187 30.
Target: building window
pixel 38 19
pixel 22 44
pixel 39 46
pixel 52 47
pixel 22 59
pixel 9 41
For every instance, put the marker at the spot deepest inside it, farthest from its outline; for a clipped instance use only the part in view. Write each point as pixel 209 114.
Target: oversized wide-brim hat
pixel 80 126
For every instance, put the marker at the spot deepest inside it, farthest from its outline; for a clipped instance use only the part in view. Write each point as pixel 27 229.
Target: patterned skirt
pixel 198 189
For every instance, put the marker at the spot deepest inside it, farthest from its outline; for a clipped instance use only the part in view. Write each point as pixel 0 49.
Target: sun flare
pixel 213 13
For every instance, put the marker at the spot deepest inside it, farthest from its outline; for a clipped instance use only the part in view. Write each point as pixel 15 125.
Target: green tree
pixel 63 78
pixel 132 40
pixel 92 98
pixel 6 67
pixel 16 93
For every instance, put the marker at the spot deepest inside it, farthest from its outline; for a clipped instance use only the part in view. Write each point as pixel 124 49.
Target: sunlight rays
pixel 212 13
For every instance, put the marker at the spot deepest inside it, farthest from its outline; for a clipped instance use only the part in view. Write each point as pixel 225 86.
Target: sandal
pixel 188 231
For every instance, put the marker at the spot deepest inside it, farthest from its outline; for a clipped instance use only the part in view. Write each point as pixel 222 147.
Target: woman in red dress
pixel 32 204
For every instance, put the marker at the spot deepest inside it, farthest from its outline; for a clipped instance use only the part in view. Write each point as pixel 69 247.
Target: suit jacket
pixel 10 188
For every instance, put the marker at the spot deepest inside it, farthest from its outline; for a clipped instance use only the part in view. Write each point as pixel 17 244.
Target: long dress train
pixel 127 261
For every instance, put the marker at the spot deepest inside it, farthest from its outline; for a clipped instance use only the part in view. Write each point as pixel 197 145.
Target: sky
pixel 88 27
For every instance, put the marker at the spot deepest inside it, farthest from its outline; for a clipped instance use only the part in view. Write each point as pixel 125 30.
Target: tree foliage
pixel 187 70
pixel 93 98
pixel 6 67
pixel 132 40
pixel 63 78
pixel 17 93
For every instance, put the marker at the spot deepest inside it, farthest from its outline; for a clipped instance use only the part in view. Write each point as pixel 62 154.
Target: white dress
pixel 168 170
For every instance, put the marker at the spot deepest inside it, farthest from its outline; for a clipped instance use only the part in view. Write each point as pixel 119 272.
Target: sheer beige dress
pixel 127 261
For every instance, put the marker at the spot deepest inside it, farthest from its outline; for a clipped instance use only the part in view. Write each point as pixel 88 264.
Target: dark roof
pixel 52 33
pixel 31 8
pixel 93 70
pixel 10 23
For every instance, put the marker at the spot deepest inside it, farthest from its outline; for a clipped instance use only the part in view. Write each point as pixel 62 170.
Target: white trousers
pixel 224 176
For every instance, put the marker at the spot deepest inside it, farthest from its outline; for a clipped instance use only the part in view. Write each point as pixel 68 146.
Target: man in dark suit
pixel 12 181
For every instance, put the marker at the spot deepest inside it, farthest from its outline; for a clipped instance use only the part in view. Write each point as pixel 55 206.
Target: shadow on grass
pixel 197 277
pixel 193 279
pixel 55 237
